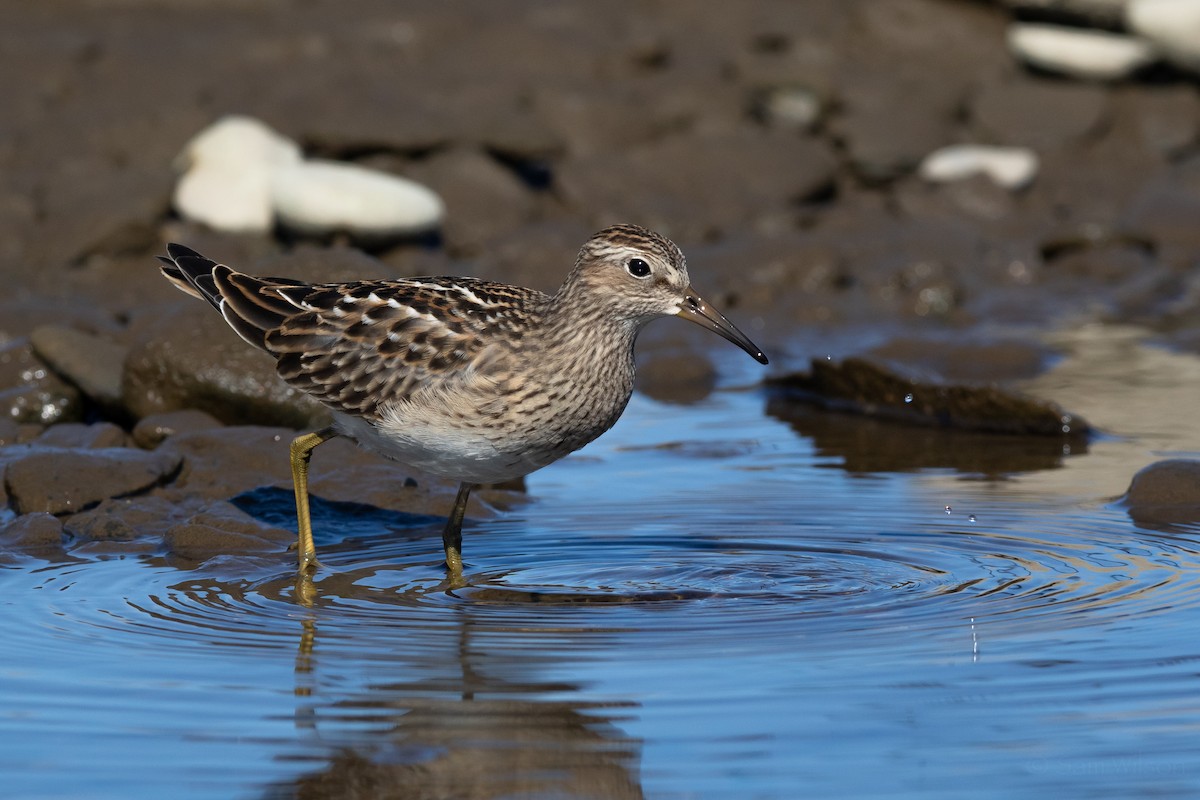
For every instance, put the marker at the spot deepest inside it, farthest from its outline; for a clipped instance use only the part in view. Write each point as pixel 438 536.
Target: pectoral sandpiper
pixel 461 378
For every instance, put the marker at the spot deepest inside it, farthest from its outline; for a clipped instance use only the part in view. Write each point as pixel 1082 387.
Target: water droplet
pixel 829 358
pixel 948 509
pixel 1066 449
pixel 1066 428
pixel 1066 418
pixel 971 518
pixel 908 398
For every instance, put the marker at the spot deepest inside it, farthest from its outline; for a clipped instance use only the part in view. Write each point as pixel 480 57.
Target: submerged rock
pixel 33 533
pixel 1165 492
pixel 858 386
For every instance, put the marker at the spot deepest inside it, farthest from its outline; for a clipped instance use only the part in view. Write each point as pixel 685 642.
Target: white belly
pixel 447 451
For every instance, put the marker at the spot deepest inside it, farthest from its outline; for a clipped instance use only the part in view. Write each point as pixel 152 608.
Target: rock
pixel 696 188
pixel 129 519
pixel 91 363
pixel 861 387
pixel 1172 26
pixel 20 317
pixel 484 198
pixel 1090 55
pixel 1165 492
pixel 221 528
pixel 1011 167
pixel 152 431
pixel 32 533
pixel 77 434
pixel 30 392
pixel 193 360
pixel 885 136
pixel 227 175
pixel 323 197
pixel 225 462
pixel 1016 112
pixel 66 480
pixel 789 107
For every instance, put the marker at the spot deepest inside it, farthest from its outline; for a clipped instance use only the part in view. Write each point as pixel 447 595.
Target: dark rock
pixel 222 528
pixel 65 480
pixel 1164 211
pixel 79 435
pixel 13 432
pixel 698 188
pixel 193 528
pixel 882 135
pixel 1015 112
pixel 1165 492
pixel 1162 120
pixel 860 387
pixel 483 199
pixel 19 318
pixel 89 362
pixel 30 392
pixel 32 533
pixel 225 462
pixel 127 519
pixel 192 359
pixel 150 432
pixel 100 208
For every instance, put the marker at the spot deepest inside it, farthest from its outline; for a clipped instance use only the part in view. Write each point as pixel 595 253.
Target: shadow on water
pixel 474 722
pixel 863 444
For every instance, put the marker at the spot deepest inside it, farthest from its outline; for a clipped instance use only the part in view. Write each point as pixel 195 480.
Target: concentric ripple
pixel 748 577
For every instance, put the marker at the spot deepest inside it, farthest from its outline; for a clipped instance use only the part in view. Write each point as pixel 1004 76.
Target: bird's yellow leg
pixel 452 535
pixel 302 447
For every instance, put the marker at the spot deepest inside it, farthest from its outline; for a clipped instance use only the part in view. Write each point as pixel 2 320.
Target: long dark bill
pixel 695 309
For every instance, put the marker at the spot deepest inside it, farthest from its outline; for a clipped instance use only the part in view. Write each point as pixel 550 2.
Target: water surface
pixel 729 599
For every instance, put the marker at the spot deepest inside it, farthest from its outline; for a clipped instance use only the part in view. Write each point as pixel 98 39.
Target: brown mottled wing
pixel 360 345
pixel 355 346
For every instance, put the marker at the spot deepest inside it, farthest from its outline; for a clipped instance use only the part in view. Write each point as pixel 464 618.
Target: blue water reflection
pixel 705 603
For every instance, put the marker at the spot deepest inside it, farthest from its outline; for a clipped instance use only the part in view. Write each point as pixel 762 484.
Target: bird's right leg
pixel 302 447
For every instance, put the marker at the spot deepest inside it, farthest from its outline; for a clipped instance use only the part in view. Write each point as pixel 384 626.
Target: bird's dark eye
pixel 637 267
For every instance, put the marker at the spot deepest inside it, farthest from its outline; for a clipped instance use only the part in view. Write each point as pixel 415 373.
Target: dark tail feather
pixel 191 273
pixel 249 305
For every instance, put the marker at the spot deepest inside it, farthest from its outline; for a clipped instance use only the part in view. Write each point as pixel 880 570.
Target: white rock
pixel 1092 55
pixel 227 174
pixel 1011 167
pixel 1172 26
pixel 318 197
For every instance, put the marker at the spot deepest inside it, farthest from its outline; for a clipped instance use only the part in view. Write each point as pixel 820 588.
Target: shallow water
pixel 731 599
